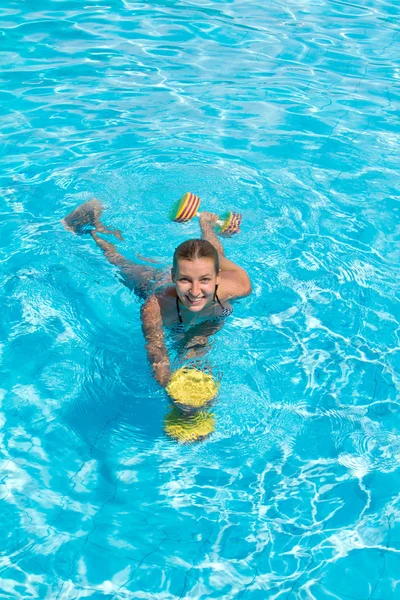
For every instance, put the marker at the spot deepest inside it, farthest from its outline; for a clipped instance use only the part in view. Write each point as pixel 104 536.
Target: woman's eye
pixel 206 279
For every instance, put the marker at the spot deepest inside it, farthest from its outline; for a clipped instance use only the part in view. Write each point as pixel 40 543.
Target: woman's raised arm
pixel 239 281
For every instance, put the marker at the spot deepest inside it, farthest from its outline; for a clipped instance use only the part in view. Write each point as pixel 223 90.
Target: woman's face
pixel 195 282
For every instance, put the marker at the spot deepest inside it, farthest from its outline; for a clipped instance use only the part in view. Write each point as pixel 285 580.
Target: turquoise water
pixel 288 113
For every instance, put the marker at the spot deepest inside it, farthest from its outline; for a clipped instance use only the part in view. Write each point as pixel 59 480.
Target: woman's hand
pixel 208 217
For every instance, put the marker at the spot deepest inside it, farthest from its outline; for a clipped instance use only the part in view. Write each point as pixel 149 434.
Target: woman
pixel 203 282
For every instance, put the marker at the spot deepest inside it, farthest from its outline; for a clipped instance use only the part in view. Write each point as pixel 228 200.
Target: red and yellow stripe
pixel 188 207
pixel 231 224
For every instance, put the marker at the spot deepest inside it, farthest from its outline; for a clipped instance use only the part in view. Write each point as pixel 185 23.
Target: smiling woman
pixel 197 291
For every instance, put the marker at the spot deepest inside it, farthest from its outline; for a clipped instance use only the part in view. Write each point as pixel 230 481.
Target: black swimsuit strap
pixel 218 300
pixel 178 310
pixel 216 296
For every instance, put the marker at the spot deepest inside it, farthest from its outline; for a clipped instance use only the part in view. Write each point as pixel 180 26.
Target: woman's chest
pixel 173 314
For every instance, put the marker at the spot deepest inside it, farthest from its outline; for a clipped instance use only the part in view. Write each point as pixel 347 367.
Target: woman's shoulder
pixel 159 310
pixel 232 285
pixel 165 294
pixel 162 298
pixel 166 299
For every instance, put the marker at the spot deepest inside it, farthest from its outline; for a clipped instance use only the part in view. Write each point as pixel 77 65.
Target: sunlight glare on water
pixel 288 113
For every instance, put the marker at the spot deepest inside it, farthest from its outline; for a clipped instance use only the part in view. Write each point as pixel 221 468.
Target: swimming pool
pixel 287 113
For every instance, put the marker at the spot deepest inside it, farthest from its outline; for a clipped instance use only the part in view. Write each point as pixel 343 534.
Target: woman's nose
pixel 195 288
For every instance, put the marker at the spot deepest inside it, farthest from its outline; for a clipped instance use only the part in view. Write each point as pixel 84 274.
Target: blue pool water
pixel 288 113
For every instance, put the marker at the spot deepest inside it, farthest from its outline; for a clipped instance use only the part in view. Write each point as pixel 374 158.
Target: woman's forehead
pixel 198 266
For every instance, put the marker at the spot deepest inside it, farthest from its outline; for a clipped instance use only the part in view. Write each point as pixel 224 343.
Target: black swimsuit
pixel 180 327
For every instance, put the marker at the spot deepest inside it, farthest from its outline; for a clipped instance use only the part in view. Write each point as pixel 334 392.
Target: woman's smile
pixel 194 301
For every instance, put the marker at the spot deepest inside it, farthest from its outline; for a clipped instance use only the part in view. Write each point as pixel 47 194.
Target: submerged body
pixel 198 290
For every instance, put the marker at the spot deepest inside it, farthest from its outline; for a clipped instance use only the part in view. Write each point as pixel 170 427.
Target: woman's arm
pixel 240 281
pixel 207 222
pixel 153 332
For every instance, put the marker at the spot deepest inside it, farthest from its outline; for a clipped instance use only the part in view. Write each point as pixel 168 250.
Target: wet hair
pixel 192 249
